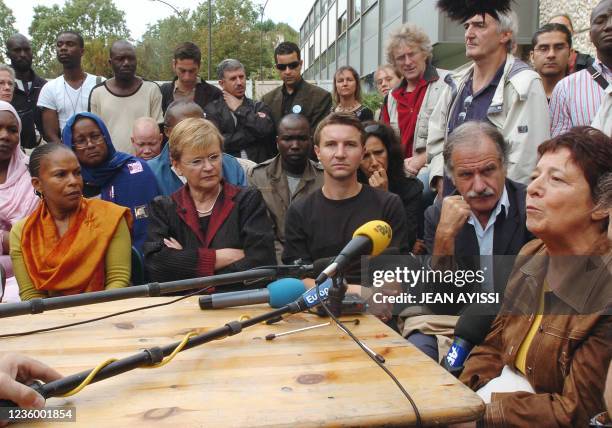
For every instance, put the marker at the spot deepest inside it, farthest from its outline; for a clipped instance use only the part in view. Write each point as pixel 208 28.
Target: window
pixel 324 33
pixel 367 4
pixel 354 10
pixel 342 23
pixel 332 24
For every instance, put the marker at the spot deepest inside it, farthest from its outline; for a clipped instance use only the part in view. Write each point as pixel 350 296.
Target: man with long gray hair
pixel 246 125
pixel 497 87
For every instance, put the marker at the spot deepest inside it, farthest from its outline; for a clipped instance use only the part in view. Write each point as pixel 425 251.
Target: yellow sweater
pixel 117 267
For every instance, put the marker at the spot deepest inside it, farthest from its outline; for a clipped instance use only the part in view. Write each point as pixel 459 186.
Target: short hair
pixel 193 133
pixel 41 152
pixel 228 64
pixel 566 16
pixel 590 149
pixel 287 48
pixel 468 133
pixel 145 120
pixel 395 153
pixel 549 28
pixel 604 191
pixel 11 72
pixel 408 34
pixel 74 33
pixel 178 104
pixel 188 50
pixel 348 119
pixel 357 81
pixel 293 117
pixel 508 22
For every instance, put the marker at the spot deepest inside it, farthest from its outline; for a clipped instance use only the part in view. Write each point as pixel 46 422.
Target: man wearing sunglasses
pixel 289 176
pixel 296 95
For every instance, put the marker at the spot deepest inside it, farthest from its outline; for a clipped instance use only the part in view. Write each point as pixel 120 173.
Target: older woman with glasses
pixel 108 174
pixel 208 226
pixel 545 359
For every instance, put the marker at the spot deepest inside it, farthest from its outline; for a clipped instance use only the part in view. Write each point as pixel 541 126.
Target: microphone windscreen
pixel 379 232
pixel 474 324
pixel 284 291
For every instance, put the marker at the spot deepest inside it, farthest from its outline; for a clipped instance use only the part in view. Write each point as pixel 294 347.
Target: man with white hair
pixel 497 87
pixel 146 138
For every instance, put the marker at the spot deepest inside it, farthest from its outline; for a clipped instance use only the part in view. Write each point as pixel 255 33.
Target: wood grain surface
pixel 315 378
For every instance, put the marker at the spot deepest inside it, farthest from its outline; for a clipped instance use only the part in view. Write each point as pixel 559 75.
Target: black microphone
pixel 471 329
pixel 277 294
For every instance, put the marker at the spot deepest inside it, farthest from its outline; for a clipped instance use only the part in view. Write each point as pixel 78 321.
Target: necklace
pixel 350 109
pixel 208 211
pixel 74 104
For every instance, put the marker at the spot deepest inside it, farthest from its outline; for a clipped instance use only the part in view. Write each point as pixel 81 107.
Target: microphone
pixel 369 239
pixel 471 329
pixel 277 294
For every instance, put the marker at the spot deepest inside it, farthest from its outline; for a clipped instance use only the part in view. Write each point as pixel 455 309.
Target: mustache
pixel 484 194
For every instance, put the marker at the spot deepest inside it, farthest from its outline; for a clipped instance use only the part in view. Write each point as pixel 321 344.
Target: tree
pixel 7 27
pixel 99 22
pixel 236 33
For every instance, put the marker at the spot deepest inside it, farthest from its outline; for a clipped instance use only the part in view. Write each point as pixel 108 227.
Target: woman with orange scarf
pixel 69 244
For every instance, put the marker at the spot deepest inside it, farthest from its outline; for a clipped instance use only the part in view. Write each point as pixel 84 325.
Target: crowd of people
pixel 499 157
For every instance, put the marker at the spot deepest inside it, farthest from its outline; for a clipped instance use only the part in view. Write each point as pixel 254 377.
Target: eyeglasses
pixel 292 65
pixel 83 143
pixel 198 163
pixel 601 420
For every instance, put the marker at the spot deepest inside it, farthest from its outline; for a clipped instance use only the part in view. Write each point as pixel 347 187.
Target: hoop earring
pixel 39 194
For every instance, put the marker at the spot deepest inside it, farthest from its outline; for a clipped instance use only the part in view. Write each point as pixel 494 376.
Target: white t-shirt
pixel 64 99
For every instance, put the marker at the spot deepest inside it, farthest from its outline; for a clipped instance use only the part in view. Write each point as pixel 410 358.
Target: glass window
pixel 341 7
pixel 367 4
pixel 391 9
pixel 316 9
pixel 342 23
pixel 317 35
pixel 354 37
pixel 324 33
pixel 354 10
pixel 342 46
pixel 332 24
pixel 370 23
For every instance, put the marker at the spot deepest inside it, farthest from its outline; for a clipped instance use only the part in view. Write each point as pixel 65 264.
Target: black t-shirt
pixel 317 227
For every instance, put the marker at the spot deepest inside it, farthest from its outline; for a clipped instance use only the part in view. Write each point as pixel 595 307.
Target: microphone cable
pixel 114 314
pixel 345 329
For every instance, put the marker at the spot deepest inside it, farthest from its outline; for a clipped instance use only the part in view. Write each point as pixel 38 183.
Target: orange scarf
pixel 73 263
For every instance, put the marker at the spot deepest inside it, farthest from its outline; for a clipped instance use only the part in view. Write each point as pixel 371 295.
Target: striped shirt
pixel 576 99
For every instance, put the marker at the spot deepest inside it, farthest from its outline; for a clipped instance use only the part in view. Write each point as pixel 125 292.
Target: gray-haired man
pixel 484 217
pixel 247 125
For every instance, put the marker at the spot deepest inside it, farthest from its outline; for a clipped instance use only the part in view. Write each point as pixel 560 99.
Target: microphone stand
pixel 154 289
pixel 152 356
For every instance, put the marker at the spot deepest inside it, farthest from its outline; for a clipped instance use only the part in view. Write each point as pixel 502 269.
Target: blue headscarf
pixel 99 175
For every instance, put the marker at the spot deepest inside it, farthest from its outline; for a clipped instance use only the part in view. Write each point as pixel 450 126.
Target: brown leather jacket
pixel 569 355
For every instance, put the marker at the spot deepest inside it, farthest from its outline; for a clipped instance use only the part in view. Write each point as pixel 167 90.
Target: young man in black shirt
pixel 322 223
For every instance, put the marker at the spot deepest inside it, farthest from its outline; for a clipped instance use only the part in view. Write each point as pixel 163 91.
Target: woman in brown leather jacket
pixel 553 336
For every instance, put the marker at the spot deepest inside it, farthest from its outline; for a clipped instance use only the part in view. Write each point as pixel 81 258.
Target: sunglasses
pixel 292 65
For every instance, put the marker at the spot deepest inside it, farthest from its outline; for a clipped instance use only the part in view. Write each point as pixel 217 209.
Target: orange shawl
pixel 75 262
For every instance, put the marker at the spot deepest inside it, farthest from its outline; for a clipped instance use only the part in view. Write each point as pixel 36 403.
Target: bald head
pixel 180 110
pixel 294 120
pixel 601 29
pixel 146 138
pixel 19 51
pixel 123 61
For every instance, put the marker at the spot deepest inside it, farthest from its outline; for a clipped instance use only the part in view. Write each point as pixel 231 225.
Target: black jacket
pixel 25 104
pixel 204 94
pixel 251 131
pixel 510 234
pixel 238 220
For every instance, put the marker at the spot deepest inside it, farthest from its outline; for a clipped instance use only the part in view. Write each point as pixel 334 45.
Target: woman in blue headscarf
pixel 108 174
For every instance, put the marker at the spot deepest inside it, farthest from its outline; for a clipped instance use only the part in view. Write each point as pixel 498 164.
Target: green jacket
pixel 270 179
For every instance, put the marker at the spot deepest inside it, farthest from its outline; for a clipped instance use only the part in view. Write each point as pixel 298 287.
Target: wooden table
pixel 315 378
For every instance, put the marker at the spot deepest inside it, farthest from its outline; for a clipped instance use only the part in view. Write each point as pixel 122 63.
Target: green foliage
pixel 99 22
pixel 372 100
pixel 236 33
pixel 7 27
